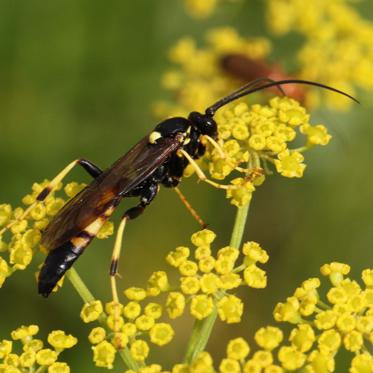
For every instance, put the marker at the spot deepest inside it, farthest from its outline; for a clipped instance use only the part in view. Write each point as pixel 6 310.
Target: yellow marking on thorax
pixel 154 136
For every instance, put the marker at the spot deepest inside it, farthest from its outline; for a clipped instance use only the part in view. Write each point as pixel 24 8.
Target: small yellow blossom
pixel 230 309
pixel 5 348
pixel 175 304
pixel 104 354
pixel 59 367
pixel 91 311
pixel 59 340
pixel 46 356
pixel 24 332
pixel 201 306
pixel 161 334
pixel 134 293
pixel 189 285
pixel 97 335
pixel 139 350
pixel 132 310
pixel 229 366
pixel 237 349
pixel 290 164
pixel 291 358
pixel 302 337
pixel 203 237
pixel 255 277
pixel 269 337
pixel 27 359
pixel 144 322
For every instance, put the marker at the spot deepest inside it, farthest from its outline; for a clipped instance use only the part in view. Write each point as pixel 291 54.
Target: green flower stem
pixel 81 288
pixel 202 328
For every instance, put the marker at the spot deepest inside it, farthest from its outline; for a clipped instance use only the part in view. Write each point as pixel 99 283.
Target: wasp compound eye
pixel 205 123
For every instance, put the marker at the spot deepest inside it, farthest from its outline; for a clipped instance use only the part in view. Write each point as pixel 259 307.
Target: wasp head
pixel 204 123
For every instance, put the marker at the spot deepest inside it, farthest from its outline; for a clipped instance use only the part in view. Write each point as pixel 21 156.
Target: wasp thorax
pixel 204 123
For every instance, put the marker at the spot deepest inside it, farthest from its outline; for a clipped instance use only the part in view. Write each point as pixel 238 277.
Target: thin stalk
pixel 84 293
pixel 202 328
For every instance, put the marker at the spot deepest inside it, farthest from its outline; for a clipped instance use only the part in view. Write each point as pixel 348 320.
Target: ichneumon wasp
pixel 158 159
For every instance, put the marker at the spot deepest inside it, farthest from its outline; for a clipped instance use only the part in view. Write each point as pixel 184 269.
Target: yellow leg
pixel 43 194
pixel 190 208
pixel 221 153
pixel 218 148
pixel 201 174
pixel 115 258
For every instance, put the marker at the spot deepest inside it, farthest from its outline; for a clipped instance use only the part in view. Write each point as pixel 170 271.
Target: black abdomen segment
pixel 56 264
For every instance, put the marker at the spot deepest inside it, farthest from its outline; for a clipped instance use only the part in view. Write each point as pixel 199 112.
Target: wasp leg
pixel 190 208
pixel 93 170
pixel 147 195
pixel 218 148
pixel 201 175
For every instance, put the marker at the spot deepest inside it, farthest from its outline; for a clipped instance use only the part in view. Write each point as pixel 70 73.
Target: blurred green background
pixel 77 79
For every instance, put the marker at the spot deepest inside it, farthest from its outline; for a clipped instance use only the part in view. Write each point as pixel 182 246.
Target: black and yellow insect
pixel 158 159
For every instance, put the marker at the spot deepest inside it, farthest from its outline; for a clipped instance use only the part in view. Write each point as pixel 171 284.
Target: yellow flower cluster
pixel 127 326
pixel 35 356
pixel 254 137
pixel 205 283
pixel 21 242
pixel 198 78
pixel 320 330
pixel 337 49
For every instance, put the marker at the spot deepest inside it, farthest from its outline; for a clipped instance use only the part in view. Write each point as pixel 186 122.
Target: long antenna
pixel 248 89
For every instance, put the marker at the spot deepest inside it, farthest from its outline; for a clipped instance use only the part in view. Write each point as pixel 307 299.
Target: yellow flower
pixel 24 332
pixel 329 341
pixel 210 283
pixel 206 264
pixel 178 256
pixel 132 310
pixel 97 335
pixel 203 237
pixel 59 340
pixel 302 337
pixel 159 280
pixel 188 268
pixel 255 277
pixel 27 359
pixel 321 362
pixel 326 319
pixel 263 358
pixel 362 363
pixel 175 304
pixel 161 334
pixel 335 271
pixel 134 293
pixel 229 366
pixel 139 350
pixel 153 310
pixel 59 368
pixel 353 341
pixel 241 194
pixel 20 256
pixel 290 164
pixel 189 285
pixel 316 135
pixel 5 214
pixel 144 322
pixel 4 271
pixel 106 230
pixel 254 252
pixel 72 189
pixel 91 311
pixel 230 281
pixel 5 348
pixel 269 337
pixel 237 349
pixel 46 356
pixel 201 306
pixel 367 276
pixel 104 355
pixel 291 358
pixel 230 309
pixel 288 311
